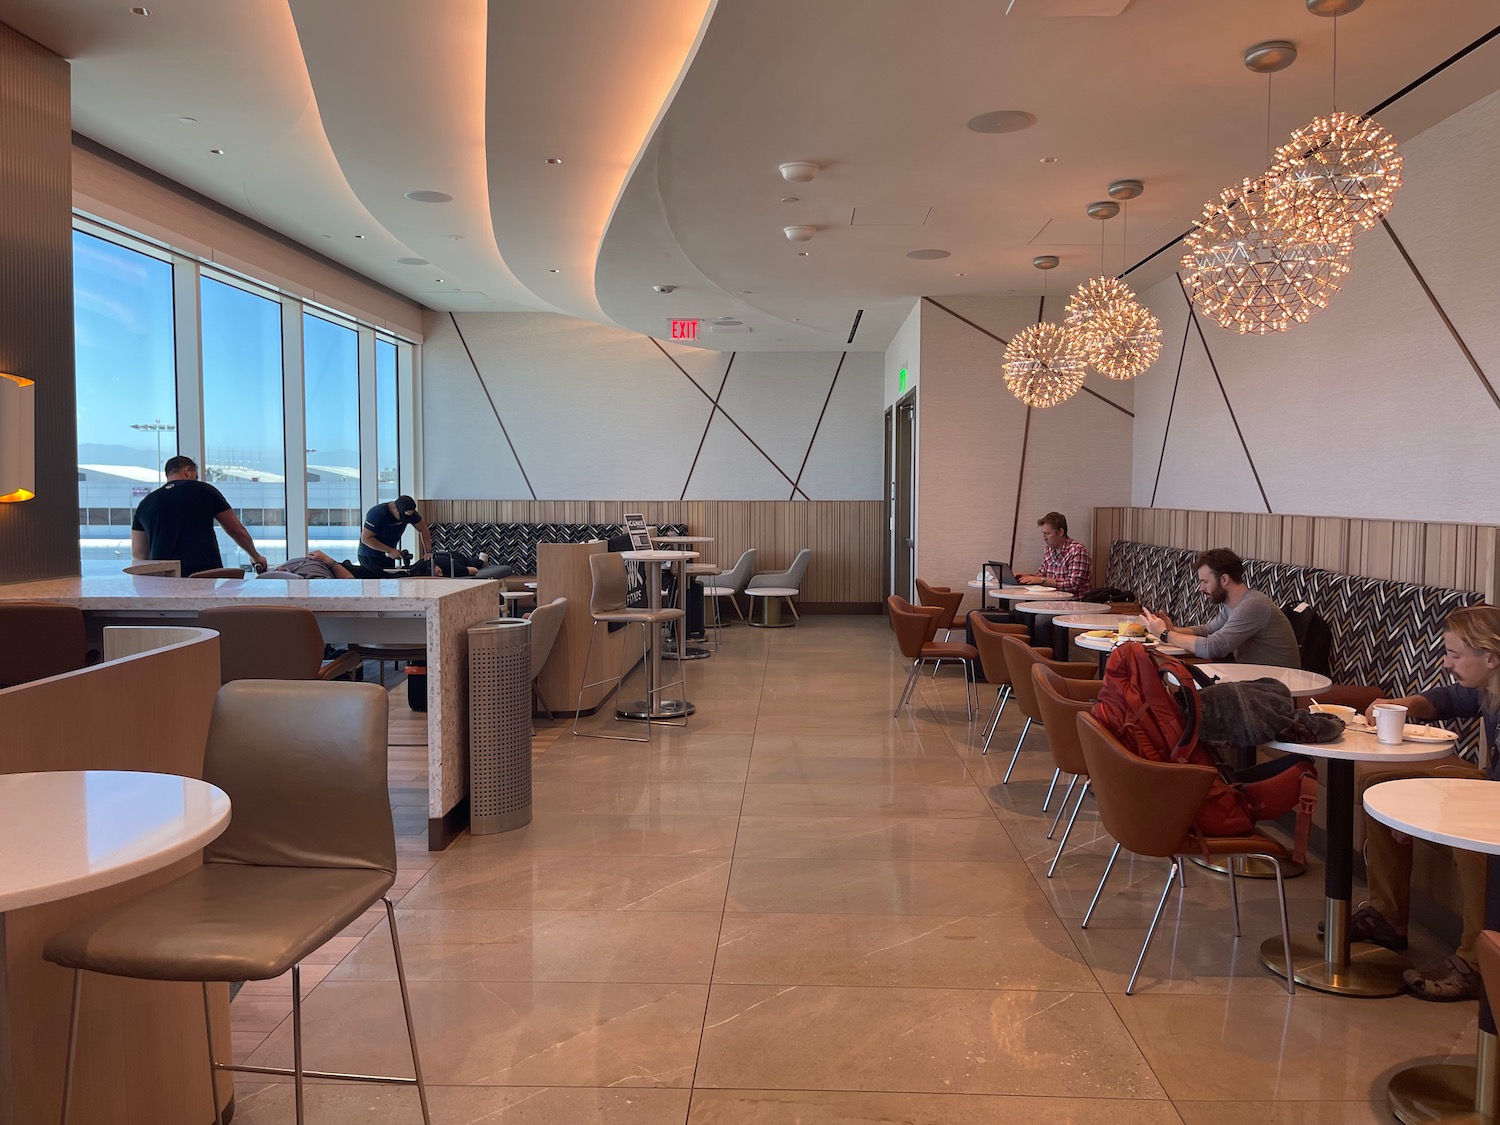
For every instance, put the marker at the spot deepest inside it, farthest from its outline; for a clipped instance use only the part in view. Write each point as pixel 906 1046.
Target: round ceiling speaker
pixel 799 233
pixel 799 171
pixel 429 197
pixel 928 255
pixel 1002 121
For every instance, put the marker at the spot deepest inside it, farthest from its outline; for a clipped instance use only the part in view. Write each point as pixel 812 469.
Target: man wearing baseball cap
pixel 380 539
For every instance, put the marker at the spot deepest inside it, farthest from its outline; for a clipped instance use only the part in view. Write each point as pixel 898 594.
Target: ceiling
pixel 670 118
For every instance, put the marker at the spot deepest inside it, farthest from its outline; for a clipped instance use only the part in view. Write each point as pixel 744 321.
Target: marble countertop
pixel 150 593
pixel 72 831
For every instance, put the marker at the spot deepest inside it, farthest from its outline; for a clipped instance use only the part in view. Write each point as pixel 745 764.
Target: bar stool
pixel 608 604
pixel 730 584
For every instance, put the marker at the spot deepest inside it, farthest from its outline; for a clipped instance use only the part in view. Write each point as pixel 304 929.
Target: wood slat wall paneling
pixel 845 535
pixel 1453 555
pixel 38 538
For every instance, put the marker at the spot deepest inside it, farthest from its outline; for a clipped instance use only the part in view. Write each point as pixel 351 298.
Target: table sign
pixel 635 526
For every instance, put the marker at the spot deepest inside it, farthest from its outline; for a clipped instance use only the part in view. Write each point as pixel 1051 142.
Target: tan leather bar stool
pixel 310 847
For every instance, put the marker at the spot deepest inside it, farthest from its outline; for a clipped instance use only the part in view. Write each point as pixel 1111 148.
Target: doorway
pixel 903 494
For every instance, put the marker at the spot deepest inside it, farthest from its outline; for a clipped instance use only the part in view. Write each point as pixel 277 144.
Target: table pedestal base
pixel 1372 970
pixel 1252 867
pixel 665 709
pixel 694 652
pixel 765 613
pixel 1449 1093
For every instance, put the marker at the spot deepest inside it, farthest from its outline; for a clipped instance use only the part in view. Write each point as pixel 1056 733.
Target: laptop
pixel 1002 572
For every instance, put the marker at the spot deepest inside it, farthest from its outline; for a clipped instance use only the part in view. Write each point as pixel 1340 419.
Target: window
pixel 243 429
pixel 387 447
pixel 330 372
pixel 126 386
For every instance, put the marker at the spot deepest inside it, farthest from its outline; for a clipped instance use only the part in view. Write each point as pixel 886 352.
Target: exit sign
pixel 684 330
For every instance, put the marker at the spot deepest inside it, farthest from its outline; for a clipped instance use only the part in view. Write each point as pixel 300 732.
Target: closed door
pixel 904 542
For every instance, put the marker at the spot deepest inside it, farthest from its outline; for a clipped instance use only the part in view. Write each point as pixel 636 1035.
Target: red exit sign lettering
pixel 684 330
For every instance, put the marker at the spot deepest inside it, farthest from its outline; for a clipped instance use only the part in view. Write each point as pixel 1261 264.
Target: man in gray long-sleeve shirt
pixel 1249 625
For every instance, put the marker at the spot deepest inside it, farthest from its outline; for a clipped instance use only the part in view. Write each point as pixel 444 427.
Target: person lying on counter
pixel 314 564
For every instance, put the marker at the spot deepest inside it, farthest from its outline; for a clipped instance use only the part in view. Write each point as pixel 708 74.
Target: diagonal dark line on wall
pixel 1015 523
pixel 707 425
pixel 1186 331
pixel 493 408
pixel 1442 313
pixel 727 416
pixel 802 468
pixel 1193 316
pixel 1002 340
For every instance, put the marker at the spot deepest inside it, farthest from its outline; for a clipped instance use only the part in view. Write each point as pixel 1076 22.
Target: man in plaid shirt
pixel 1065 563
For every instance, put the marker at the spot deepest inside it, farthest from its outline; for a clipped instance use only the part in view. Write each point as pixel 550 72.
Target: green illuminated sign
pixel 903 381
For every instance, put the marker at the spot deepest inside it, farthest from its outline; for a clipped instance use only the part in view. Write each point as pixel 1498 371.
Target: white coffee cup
pixel 1390 721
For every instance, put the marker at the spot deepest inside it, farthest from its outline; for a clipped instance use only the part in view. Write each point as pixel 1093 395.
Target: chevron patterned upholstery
pixel 1385 633
pixel 514 544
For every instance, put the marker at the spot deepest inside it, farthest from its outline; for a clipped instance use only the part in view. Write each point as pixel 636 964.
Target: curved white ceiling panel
pixel 583 83
pixel 401 96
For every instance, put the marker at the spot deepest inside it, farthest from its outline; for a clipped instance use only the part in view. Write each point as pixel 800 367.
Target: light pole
pixel 155 427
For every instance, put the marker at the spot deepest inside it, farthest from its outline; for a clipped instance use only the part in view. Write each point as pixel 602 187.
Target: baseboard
pixel 443 830
pixel 842 609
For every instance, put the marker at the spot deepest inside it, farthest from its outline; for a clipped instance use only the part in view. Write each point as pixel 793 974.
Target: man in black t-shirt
pixel 380 538
pixel 177 522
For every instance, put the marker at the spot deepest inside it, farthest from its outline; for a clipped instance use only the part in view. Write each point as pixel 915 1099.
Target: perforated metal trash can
pixel 499 726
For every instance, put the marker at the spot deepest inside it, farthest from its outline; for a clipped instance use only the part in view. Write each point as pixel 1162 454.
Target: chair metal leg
pixel 1234 895
pixel 1016 753
pixel 1062 806
pixel 297 1079
pixel 1108 867
pixel 208 1031
pixel 1286 929
pixel 1002 697
pixel 911 680
pixel 792 606
pixel 1051 788
pixel 583 676
pixel 738 612
pixel 1068 831
pixel 1155 918
pixel 411 1027
pixel 67 1097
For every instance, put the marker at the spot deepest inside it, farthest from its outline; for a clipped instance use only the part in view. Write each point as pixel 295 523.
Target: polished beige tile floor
pixel 801 910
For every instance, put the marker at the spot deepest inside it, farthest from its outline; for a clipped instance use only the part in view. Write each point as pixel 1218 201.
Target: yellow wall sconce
pixel 17 438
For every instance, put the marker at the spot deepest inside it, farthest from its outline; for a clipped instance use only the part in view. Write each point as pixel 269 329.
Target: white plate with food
pixel 1415 732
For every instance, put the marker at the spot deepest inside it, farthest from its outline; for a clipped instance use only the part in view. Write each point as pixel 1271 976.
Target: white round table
pixel 652 706
pixel 1020 593
pixel 1298 681
pixel 1106 645
pixel 693 599
pixel 1462 813
pixel 768 600
pixel 71 831
pixel 1333 963
pixel 1046 610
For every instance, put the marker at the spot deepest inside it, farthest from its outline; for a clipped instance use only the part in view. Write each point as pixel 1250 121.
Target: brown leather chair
pixel 1489 965
pixel 41 640
pixel 1059 700
pixel 915 627
pixel 987 636
pixel 266 642
pixel 944 598
pixel 1020 658
pixel 546 623
pixel 219 572
pixel 608 605
pixel 1149 808
pixel 310 848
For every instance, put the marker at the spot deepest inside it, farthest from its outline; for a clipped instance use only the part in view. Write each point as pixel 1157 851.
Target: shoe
pixel 1368 924
pixel 1450 979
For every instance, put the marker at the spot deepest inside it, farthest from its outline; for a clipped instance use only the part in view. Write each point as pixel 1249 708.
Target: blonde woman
pixel 1471 652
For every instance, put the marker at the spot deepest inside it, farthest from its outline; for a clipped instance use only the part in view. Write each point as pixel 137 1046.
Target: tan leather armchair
pixel 987 636
pixel 1059 700
pixel 310 848
pixel 915 628
pixel 1020 658
pixel 1149 808
pixel 266 642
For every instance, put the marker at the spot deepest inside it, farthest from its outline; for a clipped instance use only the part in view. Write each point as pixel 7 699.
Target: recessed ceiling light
pixel 796 320
pixel 960 275
pixel 554 160
pixel 801 253
pixel 789 199
pixel 554 271
pixel 1002 121
pixel 928 255
pixel 187 120
pixel 437 281
pixel 359 236
pixel 1049 160
pixel 429 197
pixel 140 11
pixel 456 237
pixel 413 261
pixel 217 151
pixel 747 292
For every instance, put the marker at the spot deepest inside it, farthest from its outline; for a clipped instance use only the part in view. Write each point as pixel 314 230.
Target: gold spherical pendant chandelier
pixel 1336 177
pixel 1243 272
pixel 1121 338
pixel 1044 365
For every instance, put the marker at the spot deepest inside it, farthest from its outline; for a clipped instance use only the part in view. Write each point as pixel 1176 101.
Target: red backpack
pixel 1159 722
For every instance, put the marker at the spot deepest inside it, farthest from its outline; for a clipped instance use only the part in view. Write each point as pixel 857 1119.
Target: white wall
pixel 971 428
pixel 1370 409
pixel 599 413
pixel 904 352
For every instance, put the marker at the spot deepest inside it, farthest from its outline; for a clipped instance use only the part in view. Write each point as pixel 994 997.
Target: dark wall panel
pixel 38 538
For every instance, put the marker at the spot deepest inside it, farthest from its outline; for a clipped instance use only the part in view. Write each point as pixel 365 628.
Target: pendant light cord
pixel 1334 97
